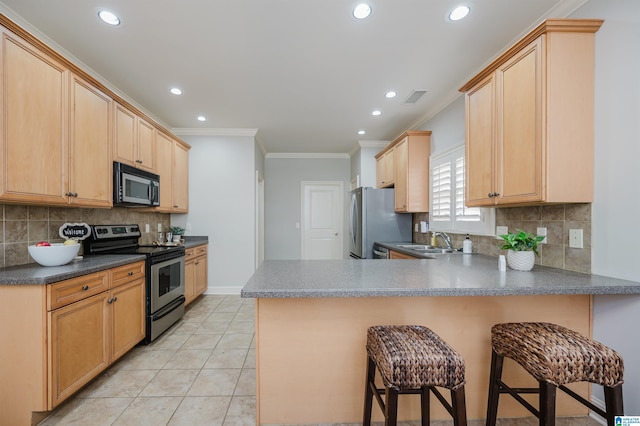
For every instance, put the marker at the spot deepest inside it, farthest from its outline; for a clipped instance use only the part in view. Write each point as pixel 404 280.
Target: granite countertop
pixel 193 241
pixel 453 274
pixel 33 273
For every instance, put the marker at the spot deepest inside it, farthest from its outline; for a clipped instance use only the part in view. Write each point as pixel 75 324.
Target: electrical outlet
pixel 415 228
pixel 146 228
pixel 575 238
pixel 424 227
pixel 540 232
pixel 188 227
pixel 501 230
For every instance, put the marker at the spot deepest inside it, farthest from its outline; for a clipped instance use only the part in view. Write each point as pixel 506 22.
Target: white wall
pixel 615 232
pixel 222 207
pixel 283 199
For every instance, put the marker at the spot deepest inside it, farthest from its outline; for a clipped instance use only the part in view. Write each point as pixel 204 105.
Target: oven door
pixel 166 282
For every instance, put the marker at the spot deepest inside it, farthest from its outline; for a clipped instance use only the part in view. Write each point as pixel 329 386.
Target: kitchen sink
pixel 433 250
pixel 415 246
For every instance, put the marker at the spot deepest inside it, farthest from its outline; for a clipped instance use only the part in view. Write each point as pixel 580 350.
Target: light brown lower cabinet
pixel 397 255
pixel 195 273
pixel 63 335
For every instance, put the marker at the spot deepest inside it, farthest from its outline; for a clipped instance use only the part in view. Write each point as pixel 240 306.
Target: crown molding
pixel 311 155
pixel 189 131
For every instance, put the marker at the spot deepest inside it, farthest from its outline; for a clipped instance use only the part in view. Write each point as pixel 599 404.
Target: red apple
pixel 42 244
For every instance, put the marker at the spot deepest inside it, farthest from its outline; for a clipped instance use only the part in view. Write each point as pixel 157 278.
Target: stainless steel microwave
pixel 134 187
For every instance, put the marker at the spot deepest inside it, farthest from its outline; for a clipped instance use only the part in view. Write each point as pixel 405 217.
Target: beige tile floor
pixel 200 372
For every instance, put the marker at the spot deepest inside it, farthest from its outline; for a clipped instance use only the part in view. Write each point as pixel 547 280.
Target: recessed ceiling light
pixel 460 12
pixel 376 112
pixel 391 94
pixel 201 118
pixel 109 17
pixel 362 10
pixel 361 132
pixel 176 91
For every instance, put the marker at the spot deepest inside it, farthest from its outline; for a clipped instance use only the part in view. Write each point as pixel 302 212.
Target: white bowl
pixel 54 255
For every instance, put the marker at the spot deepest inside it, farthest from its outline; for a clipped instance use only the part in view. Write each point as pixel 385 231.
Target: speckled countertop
pixel 33 273
pixel 446 275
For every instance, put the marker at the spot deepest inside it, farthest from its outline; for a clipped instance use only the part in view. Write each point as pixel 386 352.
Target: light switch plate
pixel 501 230
pixel 146 228
pixel 575 238
pixel 542 231
pixel 415 227
pixel 424 227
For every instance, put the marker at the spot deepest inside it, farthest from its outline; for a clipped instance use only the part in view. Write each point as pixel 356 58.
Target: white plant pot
pixel 521 260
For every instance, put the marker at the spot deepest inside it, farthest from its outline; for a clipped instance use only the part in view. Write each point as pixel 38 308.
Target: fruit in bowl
pixel 55 254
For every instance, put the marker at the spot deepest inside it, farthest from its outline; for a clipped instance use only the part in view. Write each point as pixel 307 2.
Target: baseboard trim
pixel 223 290
pixel 595 416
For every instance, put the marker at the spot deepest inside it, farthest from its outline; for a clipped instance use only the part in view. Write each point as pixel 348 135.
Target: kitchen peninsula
pixel 312 317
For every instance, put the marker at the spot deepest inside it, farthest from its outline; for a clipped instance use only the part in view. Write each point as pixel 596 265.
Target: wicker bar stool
pixel 555 356
pixel 412 360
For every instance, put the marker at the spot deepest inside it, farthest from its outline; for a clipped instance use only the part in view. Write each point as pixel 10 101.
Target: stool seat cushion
pixel 557 355
pixel 412 356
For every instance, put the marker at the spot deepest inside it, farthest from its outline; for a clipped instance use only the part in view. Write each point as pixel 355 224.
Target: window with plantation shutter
pixel 447 210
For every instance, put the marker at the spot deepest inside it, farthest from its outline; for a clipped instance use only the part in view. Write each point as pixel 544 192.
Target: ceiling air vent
pixel 415 96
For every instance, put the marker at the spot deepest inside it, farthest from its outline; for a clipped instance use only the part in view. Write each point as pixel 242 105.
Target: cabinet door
pixel 401 154
pixel 480 144
pixel 180 191
pixel 78 350
pixel 146 154
pixel 33 122
pixel 127 317
pixel 164 168
pixel 189 280
pixel 519 89
pixel 385 170
pixel 397 255
pixel 200 282
pixel 125 135
pixel 90 168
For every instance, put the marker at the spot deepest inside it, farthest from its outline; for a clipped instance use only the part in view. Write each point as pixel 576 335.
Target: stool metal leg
pixel 547 404
pixel 613 402
pixel 458 405
pixel 494 388
pixel 425 408
pixel 391 407
pixel 368 391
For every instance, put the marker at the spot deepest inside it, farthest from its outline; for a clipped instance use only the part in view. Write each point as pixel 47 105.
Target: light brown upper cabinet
pixel 409 156
pixel 172 166
pixel 135 140
pixel 180 188
pixel 385 170
pixel 90 169
pixel 34 154
pixel 55 131
pixel 529 119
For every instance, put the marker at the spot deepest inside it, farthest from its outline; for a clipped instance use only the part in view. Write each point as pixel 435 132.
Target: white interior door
pixel 322 220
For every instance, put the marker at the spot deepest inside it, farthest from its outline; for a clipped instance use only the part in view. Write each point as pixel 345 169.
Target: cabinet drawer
pixel 201 250
pixel 189 253
pixel 69 291
pixel 127 273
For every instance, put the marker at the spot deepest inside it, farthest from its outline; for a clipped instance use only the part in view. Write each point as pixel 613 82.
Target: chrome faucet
pixel 445 238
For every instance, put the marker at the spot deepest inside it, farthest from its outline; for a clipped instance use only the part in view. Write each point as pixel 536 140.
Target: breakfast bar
pixel 312 317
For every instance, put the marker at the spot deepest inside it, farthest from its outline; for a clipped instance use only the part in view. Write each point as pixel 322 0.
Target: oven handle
pixel 168 309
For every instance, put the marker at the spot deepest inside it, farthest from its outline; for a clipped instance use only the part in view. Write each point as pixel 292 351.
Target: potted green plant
pixel 522 248
pixel 177 233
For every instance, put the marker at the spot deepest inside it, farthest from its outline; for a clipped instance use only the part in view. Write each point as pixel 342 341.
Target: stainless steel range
pixel 164 272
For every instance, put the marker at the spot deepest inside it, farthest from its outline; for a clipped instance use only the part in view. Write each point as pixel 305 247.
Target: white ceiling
pixel 305 73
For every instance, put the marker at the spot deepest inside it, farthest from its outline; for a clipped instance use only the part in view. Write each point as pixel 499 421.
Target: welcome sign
pixel 76 231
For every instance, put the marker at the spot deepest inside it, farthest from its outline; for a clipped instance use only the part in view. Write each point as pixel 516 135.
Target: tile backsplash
pixel 557 218
pixel 23 225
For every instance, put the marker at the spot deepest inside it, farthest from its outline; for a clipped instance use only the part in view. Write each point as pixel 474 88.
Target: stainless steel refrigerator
pixel 372 218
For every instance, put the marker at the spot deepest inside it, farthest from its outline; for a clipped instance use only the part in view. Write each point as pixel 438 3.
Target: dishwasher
pixel 380 252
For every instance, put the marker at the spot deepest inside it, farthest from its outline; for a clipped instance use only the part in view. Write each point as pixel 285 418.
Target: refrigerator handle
pixel 353 228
